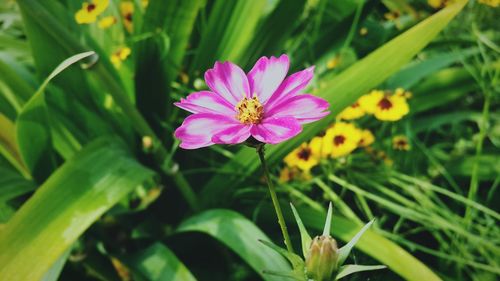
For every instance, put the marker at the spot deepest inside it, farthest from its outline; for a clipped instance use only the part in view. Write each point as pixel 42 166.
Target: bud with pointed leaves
pixel 322 257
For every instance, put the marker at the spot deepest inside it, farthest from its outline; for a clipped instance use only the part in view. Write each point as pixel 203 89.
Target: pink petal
pixel 276 130
pixel 267 75
pixel 233 135
pixel 292 86
pixel 206 102
pixel 305 108
pixel 198 129
pixel 229 81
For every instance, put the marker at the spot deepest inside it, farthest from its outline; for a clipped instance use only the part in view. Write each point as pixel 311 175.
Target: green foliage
pixel 93 185
pixel 79 192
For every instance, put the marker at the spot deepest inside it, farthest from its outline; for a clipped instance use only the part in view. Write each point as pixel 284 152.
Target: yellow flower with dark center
pixel 367 138
pixel 341 139
pixel 127 11
pixel 302 157
pixel 289 174
pixel 384 106
pixel 106 22
pixel 352 112
pixel 89 11
pixel 119 56
pixel 492 3
pixel 401 143
pixel 317 145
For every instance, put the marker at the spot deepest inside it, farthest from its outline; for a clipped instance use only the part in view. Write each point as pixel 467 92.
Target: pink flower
pixel 262 104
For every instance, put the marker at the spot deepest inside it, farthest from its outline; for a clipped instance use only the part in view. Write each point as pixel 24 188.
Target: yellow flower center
pixel 250 111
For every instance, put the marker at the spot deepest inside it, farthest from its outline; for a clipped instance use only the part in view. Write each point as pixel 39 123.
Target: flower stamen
pixel 90 7
pixel 304 153
pixel 385 104
pixel 338 140
pixel 250 111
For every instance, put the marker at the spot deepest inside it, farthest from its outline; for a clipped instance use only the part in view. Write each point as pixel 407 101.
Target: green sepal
pixel 304 235
pixel 346 249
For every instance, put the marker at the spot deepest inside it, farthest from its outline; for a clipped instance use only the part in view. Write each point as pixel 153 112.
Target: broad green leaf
pixel 305 238
pixel 294 259
pixel 8 145
pixel 32 123
pixel 353 268
pixel 13 185
pixel 241 235
pixel 418 70
pixel 271 34
pixel 157 263
pixel 346 249
pixel 341 91
pixel 230 27
pixel 76 195
pixel 55 270
pixel 156 67
pixel 21 88
pixel 441 89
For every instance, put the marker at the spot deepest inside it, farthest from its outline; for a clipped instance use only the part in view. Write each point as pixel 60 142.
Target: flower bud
pixel 321 260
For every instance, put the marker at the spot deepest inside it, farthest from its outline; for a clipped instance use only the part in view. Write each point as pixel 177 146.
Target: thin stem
pixel 274 197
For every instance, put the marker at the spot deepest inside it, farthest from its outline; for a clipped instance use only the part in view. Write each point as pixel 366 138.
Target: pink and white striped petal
pixel 198 129
pixel 292 86
pixel 206 102
pixel 305 108
pixel 267 75
pixel 276 130
pixel 229 81
pixel 233 135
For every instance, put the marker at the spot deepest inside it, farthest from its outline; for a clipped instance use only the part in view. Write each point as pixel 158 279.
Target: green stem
pixel 474 181
pixel 274 197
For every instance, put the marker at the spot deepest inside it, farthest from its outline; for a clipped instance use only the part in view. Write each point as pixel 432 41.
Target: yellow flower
pixel 367 138
pixel 492 3
pixel 352 112
pixel 341 139
pixel 288 174
pixel 89 11
pixel 400 143
pixel 106 22
pixel 385 107
pixel 127 10
pixel 302 157
pixel 119 56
